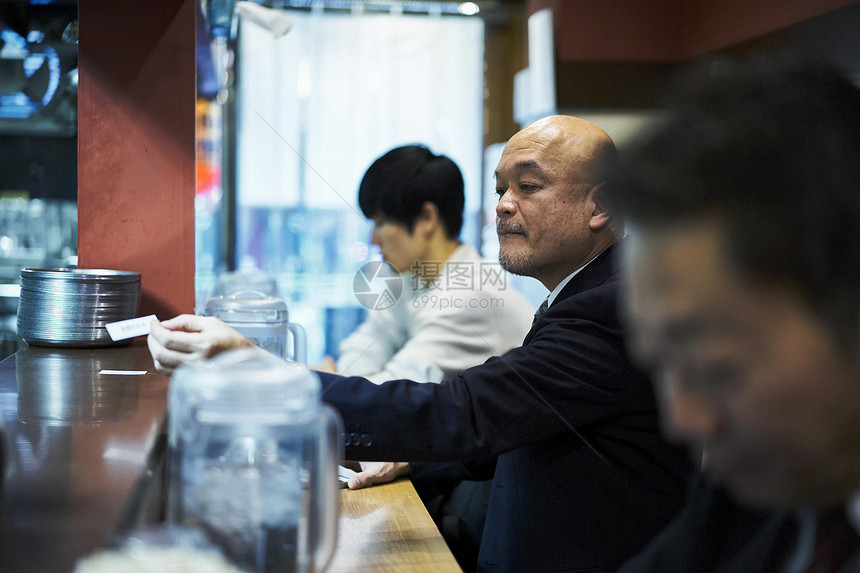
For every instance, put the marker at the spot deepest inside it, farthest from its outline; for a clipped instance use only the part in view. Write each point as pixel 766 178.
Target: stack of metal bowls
pixel 70 307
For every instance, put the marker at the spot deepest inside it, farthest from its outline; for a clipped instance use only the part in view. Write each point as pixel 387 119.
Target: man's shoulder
pixel 594 286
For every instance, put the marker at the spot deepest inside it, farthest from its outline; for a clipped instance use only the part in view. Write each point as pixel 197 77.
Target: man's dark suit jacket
pixel 715 534
pixel 583 479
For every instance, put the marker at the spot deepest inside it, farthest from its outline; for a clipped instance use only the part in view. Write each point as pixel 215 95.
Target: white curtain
pixel 316 106
pixel 319 104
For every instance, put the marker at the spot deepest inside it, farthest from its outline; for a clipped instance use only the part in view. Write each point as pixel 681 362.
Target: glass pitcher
pixel 253 455
pixel 263 319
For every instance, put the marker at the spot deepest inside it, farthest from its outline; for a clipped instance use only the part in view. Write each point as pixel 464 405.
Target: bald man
pixel 564 425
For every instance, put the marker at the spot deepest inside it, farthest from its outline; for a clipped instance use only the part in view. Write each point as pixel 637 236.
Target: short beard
pixel 522 266
pixel 516 265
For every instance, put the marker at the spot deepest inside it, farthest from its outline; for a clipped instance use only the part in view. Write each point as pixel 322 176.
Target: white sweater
pixel 468 314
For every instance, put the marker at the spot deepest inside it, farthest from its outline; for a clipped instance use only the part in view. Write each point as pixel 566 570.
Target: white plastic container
pixel 264 320
pixel 253 455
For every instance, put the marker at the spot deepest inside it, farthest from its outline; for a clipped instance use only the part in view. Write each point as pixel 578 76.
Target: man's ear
pixel 428 220
pixel 600 214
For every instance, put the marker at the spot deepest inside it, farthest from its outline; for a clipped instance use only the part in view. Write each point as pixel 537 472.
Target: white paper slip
pixel 123 372
pixel 343 475
pixel 129 328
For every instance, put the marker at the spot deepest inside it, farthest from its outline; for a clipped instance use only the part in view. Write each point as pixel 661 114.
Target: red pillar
pixel 136 145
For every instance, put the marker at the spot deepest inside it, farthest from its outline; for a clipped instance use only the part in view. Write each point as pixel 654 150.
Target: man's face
pixel 745 370
pixel 544 208
pixel 399 247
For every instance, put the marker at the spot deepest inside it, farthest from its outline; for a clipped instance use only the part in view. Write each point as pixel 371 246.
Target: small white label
pixel 124 372
pixel 129 328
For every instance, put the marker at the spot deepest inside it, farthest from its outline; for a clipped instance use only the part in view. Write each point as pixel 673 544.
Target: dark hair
pixel 772 148
pixel 397 184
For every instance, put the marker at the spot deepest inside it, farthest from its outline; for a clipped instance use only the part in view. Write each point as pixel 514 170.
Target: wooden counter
pixel 386 528
pixel 84 447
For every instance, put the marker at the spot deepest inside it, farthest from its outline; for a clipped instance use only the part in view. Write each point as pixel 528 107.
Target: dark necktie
pixel 541 309
pixel 835 542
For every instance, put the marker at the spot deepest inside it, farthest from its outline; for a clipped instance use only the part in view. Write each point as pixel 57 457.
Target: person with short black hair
pixel 744 210
pixel 398 184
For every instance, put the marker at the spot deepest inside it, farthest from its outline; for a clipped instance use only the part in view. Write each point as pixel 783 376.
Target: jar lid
pixel 247 378
pixel 247 306
pixel 246 279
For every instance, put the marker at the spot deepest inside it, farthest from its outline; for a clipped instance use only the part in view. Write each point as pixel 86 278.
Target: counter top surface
pixel 76 439
pixel 385 528
pixel 81 429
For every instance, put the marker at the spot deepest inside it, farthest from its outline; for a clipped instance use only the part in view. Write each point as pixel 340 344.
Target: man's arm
pixel 571 376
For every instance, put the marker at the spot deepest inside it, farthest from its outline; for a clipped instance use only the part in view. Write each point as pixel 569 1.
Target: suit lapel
pixel 603 267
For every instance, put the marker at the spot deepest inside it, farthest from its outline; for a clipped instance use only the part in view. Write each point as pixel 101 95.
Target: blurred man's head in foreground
pixel 744 206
